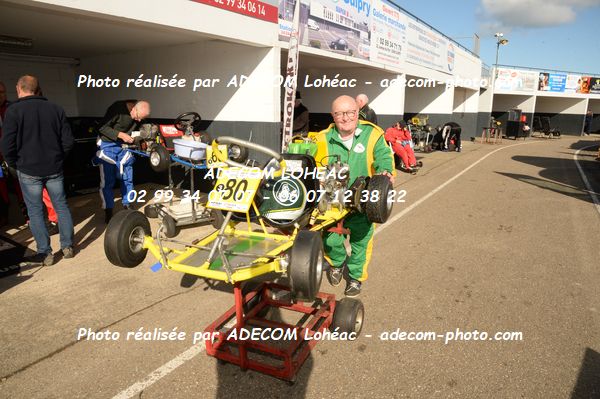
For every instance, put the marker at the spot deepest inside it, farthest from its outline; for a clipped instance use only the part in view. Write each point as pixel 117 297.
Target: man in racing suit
pixel 399 137
pixel 362 146
pixel 115 162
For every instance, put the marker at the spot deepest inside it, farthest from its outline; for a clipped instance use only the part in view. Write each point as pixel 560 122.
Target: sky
pixel 544 34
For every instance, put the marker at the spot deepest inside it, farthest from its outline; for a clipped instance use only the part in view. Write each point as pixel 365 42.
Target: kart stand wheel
pixel 348 316
pixel 124 239
pixel 217 218
pixel 159 159
pixel 378 211
pixel 305 269
pixel 151 211
pixel 237 153
pixel 170 226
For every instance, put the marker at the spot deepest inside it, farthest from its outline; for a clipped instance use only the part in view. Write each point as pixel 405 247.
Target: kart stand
pixel 282 358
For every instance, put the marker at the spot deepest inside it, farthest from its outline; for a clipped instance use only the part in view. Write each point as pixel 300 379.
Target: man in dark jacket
pixel 300 116
pixel 115 162
pixel 36 139
pixel 366 113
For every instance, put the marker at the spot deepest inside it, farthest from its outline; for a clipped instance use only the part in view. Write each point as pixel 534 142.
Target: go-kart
pixel 297 211
pixel 421 133
pixel 273 221
pixel 156 141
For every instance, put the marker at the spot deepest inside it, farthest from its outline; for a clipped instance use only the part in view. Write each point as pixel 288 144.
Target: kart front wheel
pixel 124 239
pixel 159 159
pixel 377 207
pixel 237 153
pixel 348 316
pixel 305 269
pixel 170 226
pixel 151 211
pixel 217 218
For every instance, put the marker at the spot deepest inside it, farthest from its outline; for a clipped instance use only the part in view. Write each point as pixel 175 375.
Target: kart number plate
pixel 235 190
pixel 211 158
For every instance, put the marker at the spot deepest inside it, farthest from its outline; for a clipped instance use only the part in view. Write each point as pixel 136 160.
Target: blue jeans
pixel 32 194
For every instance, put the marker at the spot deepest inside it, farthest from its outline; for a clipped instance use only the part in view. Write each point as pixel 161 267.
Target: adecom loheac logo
pixel 286 192
pixel 451 56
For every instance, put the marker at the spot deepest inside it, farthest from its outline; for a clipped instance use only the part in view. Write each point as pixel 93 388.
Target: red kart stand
pixel 281 359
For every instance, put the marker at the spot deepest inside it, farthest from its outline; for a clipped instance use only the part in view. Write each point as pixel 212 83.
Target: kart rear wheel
pixel 348 316
pixel 379 211
pixel 305 269
pixel 170 226
pixel 124 239
pixel 159 159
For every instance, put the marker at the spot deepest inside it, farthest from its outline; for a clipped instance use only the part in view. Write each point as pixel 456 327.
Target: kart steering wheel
pixel 275 156
pixel 187 120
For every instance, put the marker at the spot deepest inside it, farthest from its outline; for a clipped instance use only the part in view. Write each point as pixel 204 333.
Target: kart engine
pixel 148 132
pixel 334 185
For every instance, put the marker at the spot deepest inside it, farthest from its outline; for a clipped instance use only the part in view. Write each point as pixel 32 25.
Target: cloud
pixel 507 14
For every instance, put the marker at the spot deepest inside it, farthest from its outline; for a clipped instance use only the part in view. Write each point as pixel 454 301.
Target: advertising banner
pixel 594 85
pixel 572 84
pixel 388 34
pixel 554 82
pixel 338 26
pixel 515 80
pixel 583 85
pixel 428 48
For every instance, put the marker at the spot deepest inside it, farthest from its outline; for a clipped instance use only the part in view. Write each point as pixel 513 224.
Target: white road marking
pixel 161 372
pixel 588 186
pixel 170 366
pixel 405 211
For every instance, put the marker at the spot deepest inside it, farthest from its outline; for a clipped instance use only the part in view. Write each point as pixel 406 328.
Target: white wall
pixel 504 102
pixel 465 100
pixel 467 68
pixel 255 101
pixel 434 100
pixel 388 100
pixel 56 79
pixel 485 100
pixel 561 105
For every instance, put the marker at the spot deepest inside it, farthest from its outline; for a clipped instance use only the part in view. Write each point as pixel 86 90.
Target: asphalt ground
pixel 498 238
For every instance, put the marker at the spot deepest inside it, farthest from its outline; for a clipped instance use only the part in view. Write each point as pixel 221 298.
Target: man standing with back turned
pixel 36 139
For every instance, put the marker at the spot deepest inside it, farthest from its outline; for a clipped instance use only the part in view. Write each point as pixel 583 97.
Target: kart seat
pixel 290 200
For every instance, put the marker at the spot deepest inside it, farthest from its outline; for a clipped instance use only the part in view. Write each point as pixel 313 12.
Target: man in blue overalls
pixel 116 163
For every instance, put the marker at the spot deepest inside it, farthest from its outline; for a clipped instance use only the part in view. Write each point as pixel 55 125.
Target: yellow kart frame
pixel 258 251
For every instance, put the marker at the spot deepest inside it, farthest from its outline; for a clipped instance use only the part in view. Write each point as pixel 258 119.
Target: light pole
pixel 499 41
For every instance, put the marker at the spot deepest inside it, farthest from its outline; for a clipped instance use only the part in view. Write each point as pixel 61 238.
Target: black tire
pixel 348 316
pixel 170 226
pixel 305 269
pixel 217 218
pixel 379 211
pixel 151 211
pixel 159 159
pixel 124 237
pixel 237 153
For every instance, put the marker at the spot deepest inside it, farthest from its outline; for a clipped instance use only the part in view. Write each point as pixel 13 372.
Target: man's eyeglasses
pixel 349 114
